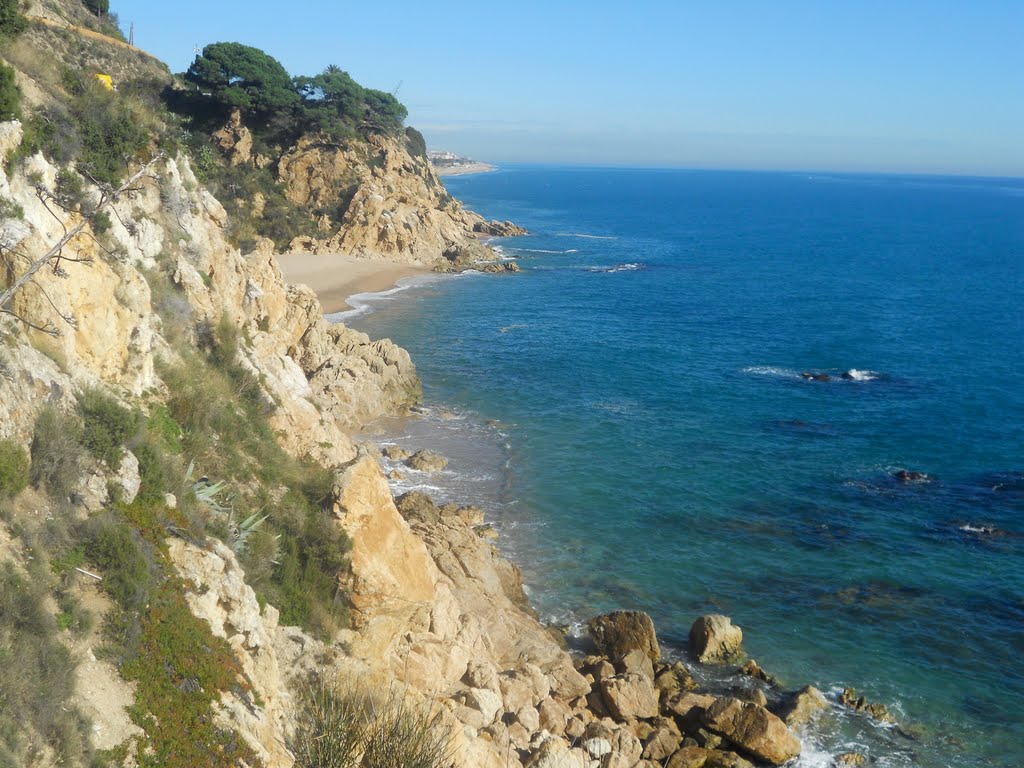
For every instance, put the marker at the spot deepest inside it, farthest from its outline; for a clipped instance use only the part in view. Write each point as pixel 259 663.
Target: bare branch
pixel 49 329
pixel 54 254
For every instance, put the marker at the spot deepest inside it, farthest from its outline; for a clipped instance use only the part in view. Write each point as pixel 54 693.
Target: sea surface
pixel 631 412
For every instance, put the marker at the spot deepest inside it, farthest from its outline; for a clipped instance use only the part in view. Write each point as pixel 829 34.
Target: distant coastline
pixel 464 169
pixel 450 164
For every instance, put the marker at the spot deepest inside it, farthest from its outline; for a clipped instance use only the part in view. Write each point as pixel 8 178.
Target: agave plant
pixel 244 529
pixel 205 491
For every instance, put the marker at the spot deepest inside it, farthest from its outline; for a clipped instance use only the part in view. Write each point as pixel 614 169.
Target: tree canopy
pixel 237 75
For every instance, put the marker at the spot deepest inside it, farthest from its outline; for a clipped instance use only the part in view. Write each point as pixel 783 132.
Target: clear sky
pixel 932 86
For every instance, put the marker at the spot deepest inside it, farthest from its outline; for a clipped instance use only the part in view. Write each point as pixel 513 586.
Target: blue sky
pixel 921 87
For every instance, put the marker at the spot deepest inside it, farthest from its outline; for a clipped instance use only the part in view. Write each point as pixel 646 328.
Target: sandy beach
pixel 335 277
pixel 464 169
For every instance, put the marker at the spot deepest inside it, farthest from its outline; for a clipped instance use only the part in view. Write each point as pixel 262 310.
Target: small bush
pixel 10 95
pixel 334 727
pixel 14 468
pixel 113 546
pixel 107 426
pixel 57 453
pixel 12 20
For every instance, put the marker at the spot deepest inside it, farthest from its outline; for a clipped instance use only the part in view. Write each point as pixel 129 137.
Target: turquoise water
pixel 630 409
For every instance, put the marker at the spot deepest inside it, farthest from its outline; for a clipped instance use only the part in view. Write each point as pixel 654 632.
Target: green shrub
pixel 10 95
pixel 12 20
pixel 107 426
pixel 156 471
pixel 115 548
pixel 99 7
pixel 334 727
pixel 14 468
pixel 164 429
pixel 57 453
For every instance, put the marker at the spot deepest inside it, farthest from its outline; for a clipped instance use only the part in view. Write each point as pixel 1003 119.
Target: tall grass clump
pixel 14 468
pixel 345 729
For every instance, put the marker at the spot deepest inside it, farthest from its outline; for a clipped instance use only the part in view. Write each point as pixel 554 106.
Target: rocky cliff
pixel 378 198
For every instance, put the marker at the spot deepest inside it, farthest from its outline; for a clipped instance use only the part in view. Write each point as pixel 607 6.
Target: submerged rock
pixel 911 476
pixel 426 461
pixel 715 640
pixel 849 698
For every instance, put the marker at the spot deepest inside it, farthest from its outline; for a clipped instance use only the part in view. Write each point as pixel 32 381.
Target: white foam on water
pixel 363 303
pixel 627 267
pixel 771 370
pixel 857 375
pixel 589 237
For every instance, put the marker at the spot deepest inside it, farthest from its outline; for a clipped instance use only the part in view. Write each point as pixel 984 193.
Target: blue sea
pixel 630 410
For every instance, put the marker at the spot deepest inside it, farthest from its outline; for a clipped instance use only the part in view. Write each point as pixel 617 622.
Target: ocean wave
pixel 588 237
pixel 362 303
pixel 628 267
pixel 832 374
pixel 771 370
pixel 546 250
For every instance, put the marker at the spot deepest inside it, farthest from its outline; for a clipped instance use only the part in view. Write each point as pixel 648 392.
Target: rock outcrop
pixel 388 203
pixel 714 639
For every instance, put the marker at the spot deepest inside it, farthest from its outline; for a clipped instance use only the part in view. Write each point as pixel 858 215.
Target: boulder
pixel 663 742
pixel 700 757
pixel 849 760
pixel 417 506
pixel 426 461
pixel 754 670
pixel 673 679
pixel 555 753
pixel 628 696
pixel 486 702
pixel 752 729
pixel 715 640
pixel 681 704
pixel 620 632
pixel 636 661
pixel 554 715
pixel 798 708
pixel 395 453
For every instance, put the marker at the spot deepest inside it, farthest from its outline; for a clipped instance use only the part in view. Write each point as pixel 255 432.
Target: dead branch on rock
pixel 55 255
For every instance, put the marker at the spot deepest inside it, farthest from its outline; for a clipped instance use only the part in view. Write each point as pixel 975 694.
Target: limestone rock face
pixel 753 729
pixel 620 632
pixel 235 140
pixel 714 639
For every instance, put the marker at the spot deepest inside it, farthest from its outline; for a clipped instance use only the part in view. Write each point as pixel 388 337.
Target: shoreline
pixel 464 170
pixel 337 278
